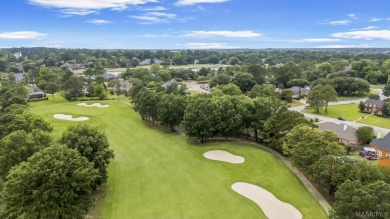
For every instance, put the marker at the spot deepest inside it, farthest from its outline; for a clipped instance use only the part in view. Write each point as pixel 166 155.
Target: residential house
pixel 145 62
pixel 345 133
pixel 18 55
pixel 298 91
pixel 35 93
pixel 169 83
pixel 111 75
pixel 158 61
pixel 125 86
pixel 373 106
pixel 73 66
pixel 19 78
pixel 382 147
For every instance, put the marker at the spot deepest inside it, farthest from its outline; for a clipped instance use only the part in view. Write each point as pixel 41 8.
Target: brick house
pixel 373 106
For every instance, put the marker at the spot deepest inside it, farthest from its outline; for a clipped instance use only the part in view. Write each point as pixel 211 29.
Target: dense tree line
pixel 42 178
pixel 350 181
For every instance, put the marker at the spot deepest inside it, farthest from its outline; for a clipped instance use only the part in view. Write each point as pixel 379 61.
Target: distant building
pixel 125 86
pixel 345 133
pixel 73 66
pixel 19 78
pixel 145 62
pixel 36 92
pixel 382 147
pixel 298 91
pixel 18 55
pixel 373 106
pixel 169 83
pixel 158 61
pixel 111 75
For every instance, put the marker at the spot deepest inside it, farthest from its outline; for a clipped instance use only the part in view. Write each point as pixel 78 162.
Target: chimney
pixel 345 127
pixel 378 135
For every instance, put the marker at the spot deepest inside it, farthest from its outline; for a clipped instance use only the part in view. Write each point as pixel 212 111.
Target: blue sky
pixel 194 24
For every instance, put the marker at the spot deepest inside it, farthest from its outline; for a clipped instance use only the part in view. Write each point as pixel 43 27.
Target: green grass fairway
pixel 156 174
pixel 349 112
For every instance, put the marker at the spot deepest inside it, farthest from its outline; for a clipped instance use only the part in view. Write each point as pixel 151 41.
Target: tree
pixel 386 90
pixel 220 79
pixel 361 106
pixel 286 95
pixel 12 94
pixel 170 110
pixel 16 117
pixel 198 119
pixel 20 145
pixel 54 183
pixel 374 96
pixel 231 90
pixel 263 90
pixel 227 118
pixel 386 110
pixel 73 88
pixel 91 144
pixel 365 134
pixel 298 83
pixel 355 200
pixel 100 91
pixel 329 95
pixel 244 81
pixel 320 96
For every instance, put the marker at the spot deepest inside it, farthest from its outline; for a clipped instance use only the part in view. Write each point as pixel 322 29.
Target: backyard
pixel 158 174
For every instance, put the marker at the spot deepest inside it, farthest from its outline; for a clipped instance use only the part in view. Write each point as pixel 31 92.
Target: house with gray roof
pixel 36 92
pixel 382 147
pixel 169 83
pixel 125 86
pixel 111 75
pixel 346 134
pixel 298 91
pixel 19 78
pixel 373 106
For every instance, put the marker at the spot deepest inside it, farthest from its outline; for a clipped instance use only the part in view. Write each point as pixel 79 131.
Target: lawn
pixel 349 112
pixel 377 86
pixel 295 103
pixel 157 174
pixel 376 121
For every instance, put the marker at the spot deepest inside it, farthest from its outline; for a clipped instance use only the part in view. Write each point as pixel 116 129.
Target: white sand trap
pixel 93 105
pixel 223 156
pixel 272 207
pixel 69 117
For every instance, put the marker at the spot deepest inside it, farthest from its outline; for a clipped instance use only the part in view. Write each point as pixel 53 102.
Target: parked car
pixel 341 118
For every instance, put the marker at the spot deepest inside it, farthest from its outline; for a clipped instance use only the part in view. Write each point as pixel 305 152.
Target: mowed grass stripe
pixel 156 174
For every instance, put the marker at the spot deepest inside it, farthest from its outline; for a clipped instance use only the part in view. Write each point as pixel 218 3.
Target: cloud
pixel 345 46
pixel 85 7
pixel 224 33
pixel 156 35
pixel 367 28
pixel 340 22
pixel 194 2
pixel 21 35
pixel 210 46
pixel 352 15
pixel 98 21
pixel 155 17
pixel 157 8
pixel 315 40
pixel 364 34
pixel 376 19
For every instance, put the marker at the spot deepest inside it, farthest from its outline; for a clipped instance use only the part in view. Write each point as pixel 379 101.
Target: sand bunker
pixel 223 156
pixel 69 117
pixel 272 207
pixel 93 105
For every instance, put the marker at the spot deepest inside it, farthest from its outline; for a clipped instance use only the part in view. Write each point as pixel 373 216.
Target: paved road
pixel 377 129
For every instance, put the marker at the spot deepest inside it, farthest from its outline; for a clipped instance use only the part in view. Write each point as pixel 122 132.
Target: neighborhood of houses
pixel 379 148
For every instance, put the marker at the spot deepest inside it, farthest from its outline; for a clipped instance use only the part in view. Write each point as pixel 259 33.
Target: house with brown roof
pixel 346 134
pixel 382 147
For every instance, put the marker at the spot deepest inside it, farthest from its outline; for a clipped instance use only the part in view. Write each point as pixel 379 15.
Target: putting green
pixel 156 174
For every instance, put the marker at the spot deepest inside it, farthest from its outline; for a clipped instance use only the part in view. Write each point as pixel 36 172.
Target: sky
pixel 195 24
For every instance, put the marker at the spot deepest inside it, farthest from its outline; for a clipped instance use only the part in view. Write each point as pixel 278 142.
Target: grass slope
pixel 163 175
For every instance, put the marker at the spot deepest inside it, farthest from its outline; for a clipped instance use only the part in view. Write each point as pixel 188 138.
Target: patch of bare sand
pixel 70 117
pixel 272 207
pixel 224 156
